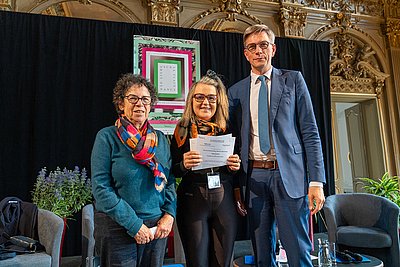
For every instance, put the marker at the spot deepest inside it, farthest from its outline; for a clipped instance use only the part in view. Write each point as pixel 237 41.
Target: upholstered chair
pixel 50 230
pixel 364 223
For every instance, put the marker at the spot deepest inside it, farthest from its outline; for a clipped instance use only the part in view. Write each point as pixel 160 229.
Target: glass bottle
pixel 324 257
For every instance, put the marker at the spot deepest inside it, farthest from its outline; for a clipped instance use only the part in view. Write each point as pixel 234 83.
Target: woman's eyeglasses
pixel 133 99
pixel 201 97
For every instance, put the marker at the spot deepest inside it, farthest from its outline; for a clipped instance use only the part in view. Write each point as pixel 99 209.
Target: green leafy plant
pixel 387 186
pixel 178 181
pixel 63 192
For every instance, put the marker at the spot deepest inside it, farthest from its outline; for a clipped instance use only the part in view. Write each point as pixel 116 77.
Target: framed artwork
pixel 172 65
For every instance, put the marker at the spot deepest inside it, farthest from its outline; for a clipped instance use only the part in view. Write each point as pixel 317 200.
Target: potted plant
pixel 387 186
pixel 63 192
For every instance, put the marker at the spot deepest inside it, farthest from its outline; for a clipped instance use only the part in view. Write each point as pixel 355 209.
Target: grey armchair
pixel 364 223
pixel 50 229
pixel 88 242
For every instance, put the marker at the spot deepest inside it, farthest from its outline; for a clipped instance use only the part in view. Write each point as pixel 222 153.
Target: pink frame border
pixel 167 51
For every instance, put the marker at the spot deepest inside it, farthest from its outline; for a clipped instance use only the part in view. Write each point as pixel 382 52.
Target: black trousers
pixel 207 224
pixel 117 248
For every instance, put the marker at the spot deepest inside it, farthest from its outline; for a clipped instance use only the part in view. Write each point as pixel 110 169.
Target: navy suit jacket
pixel 294 129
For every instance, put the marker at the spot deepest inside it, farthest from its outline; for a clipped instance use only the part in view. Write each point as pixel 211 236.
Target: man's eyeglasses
pixel 201 97
pixel 133 99
pixel 263 45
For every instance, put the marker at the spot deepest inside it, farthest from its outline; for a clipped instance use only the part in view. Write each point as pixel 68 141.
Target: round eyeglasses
pixel 201 97
pixel 133 99
pixel 253 47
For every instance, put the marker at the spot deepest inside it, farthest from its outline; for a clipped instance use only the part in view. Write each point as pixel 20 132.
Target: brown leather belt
pixel 263 164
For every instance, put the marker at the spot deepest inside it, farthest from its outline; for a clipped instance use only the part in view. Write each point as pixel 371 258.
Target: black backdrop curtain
pixel 56 80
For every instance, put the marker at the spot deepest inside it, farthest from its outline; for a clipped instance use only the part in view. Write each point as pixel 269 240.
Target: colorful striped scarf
pixel 143 145
pixel 197 126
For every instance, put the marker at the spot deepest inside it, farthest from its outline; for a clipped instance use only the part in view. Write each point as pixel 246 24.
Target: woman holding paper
pixel 133 188
pixel 206 206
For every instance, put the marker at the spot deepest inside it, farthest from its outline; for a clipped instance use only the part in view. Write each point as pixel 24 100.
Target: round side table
pixel 239 262
pixel 375 262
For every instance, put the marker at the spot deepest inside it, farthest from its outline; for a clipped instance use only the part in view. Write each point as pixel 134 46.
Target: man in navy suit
pixel 280 150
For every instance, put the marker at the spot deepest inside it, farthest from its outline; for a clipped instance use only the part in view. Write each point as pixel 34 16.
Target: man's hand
pixel 240 207
pixel 316 199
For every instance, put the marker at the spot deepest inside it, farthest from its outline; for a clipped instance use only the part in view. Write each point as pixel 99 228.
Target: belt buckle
pixel 264 163
pixel 274 168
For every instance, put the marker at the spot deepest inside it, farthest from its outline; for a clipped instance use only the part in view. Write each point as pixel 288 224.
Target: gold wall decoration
pixel 7 5
pixel 164 12
pixel 354 67
pixel 232 8
pixel 40 6
pixel 85 2
pixel 293 20
pixel 392 8
pixel 393 32
pixel 55 10
pixel 368 7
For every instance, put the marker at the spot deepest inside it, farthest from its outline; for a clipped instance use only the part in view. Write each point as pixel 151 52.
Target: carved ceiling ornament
pixel 85 2
pixel 164 12
pixel 366 7
pixel 354 67
pixel 293 20
pixel 393 32
pixel 393 8
pixel 55 10
pixel 6 5
pixel 232 8
pixel 342 20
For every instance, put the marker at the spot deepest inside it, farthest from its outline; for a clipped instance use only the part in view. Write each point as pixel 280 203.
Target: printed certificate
pixel 214 150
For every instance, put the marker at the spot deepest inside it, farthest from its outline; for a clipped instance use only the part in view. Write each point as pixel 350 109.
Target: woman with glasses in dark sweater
pixel 206 217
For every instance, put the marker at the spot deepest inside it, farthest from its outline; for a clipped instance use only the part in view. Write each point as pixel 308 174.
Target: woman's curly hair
pixel 128 80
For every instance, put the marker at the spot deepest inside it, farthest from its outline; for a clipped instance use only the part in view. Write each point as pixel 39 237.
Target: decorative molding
pixel 392 8
pixel 7 5
pixel 116 5
pixel 163 12
pixel 354 67
pixel 342 20
pixel 366 7
pixel 232 8
pixel 85 2
pixel 123 8
pixel 55 10
pixel 293 20
pixel 393 32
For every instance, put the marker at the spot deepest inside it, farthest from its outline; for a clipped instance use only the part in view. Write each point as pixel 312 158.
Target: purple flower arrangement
pixel 63 192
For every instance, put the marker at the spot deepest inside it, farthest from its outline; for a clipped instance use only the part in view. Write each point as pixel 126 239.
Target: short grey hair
pixel 258 28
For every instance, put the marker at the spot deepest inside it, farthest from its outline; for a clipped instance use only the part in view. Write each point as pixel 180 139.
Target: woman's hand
pixel 144 235
pixel 233 162
pixel 191 159
pixel 164 226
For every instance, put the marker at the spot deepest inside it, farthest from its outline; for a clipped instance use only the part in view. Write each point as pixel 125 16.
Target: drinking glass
pixel 332 251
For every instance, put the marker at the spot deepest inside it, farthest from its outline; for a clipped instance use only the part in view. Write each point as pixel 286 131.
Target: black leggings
pixel 207 224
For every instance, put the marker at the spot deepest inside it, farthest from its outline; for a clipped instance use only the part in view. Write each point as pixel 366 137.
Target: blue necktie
pixel 263 116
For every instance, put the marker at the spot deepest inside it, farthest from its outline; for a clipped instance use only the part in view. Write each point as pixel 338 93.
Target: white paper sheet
pixel 214 150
